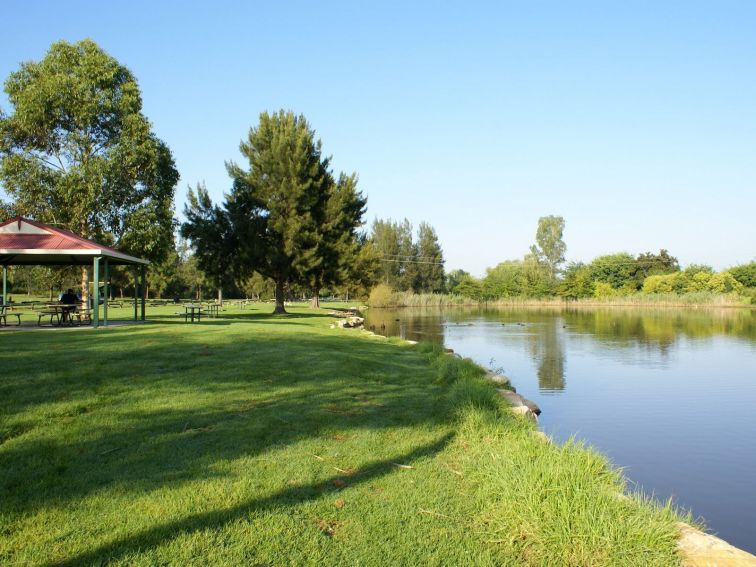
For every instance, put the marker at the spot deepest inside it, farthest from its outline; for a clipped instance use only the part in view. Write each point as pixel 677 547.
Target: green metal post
pixel 142 294
pixel 106 293
pixel 136 293
pixel 5 284
pixel 96 294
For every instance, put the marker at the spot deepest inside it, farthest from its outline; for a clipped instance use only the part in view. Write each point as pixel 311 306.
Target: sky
pixel 635 121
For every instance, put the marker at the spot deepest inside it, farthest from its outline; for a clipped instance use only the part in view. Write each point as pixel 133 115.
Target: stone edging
pixel 697 549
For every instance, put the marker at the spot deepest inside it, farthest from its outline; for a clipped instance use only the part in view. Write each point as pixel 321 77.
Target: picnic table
pixel 190 309
pixel 5 313
pixel 213 309
pixel 62 314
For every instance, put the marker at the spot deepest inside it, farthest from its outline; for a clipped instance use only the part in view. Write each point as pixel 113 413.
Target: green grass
pixel 259 440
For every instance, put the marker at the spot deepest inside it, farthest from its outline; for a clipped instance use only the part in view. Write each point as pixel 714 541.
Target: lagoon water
pixel 669 395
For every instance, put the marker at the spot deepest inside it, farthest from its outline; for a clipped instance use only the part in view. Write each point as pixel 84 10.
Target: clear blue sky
pixel 636 121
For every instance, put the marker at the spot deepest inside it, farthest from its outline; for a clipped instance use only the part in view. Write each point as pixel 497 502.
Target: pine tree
pixel 278 205
pixel 338 245
pixel 430 261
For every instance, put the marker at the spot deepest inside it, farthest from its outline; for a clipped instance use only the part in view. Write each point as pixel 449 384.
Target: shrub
pixel 724 283
pixel 603 289
pixel 381 296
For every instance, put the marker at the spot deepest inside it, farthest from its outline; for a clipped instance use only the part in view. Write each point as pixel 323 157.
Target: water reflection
pixel 667 394
pixel 547 350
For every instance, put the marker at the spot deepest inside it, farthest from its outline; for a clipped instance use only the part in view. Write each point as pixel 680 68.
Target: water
pixel 668 395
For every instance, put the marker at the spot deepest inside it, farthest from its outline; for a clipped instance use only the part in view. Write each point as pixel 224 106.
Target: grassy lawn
pixel 254 440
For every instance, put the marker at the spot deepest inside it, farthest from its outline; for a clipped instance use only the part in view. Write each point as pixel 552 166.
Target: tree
pixel 430 260
pixel 617 270
pixel 649 264
pixel 576 281
pixel 278 206
pixel 212 236
pixel 77 152
pixel 550 248
pixel 337 242
pixel 453 280
pixel 363 269
pixel 745 274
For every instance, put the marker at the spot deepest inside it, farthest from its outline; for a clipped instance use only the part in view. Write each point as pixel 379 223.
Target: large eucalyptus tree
pixel 76 151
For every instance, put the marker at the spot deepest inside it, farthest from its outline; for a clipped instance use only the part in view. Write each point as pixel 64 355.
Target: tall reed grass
pixel 694 299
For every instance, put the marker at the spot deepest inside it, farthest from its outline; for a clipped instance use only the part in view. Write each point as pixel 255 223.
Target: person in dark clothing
pixel 70 300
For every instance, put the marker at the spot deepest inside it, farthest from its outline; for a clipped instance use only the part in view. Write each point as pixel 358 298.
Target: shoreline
pixel 697 548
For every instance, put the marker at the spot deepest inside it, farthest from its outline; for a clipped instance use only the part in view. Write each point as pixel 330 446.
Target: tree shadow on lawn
pixel 289 497
pixel 144 415
pixel 228 318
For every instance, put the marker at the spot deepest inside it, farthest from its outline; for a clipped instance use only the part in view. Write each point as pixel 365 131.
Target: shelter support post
pixel 136 292
pixel 106 293
pixel 143 288
pixel 5 284
pixel 96 293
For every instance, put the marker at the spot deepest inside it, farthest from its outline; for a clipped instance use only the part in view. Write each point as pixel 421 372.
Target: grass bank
pixel 253 439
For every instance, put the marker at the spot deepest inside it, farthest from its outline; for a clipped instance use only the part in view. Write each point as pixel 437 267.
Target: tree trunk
pixel 280 309
pixel 315 303
pixel 85 285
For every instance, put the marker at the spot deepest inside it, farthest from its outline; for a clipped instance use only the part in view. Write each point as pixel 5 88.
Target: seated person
pixel 70 300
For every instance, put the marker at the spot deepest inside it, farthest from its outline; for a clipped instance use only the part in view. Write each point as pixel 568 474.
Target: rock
pixel 533 407
pixel 498 379
pixel 702 550
pixel 411 342
pixel 515 399
pixel 524 411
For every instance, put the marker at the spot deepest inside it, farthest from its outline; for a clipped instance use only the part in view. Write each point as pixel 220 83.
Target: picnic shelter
pixel 25 242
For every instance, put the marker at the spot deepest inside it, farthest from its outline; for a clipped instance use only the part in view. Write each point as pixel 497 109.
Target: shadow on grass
pixel 140 408
pixel 252 317
pixel 289 497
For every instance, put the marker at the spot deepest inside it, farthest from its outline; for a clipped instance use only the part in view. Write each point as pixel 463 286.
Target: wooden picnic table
pixel 5 313
pixel 62 313
pixel 213 309
pixel 190 309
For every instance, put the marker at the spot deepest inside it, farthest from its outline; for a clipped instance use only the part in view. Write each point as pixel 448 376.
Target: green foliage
pixel 615 270
pixel 745 274
pixel 724 282
pixel 286 218
pixel 470 287
pixel 265 440
pixel 337 243
pixel 694 279
pixel 550 248
pixel 381 296
pixel 406 265
pixel 604 289
pixel 430 257
pixel 78 152
pixel 576 281
pixel 453 279
pixel 278 205
pixel 209 229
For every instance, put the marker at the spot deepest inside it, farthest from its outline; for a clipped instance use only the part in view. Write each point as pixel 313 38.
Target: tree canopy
pixel 550 248
pixel 77 152
pixel 286 217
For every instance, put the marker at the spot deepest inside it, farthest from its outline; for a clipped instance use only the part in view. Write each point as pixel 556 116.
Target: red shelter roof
pixel 27 242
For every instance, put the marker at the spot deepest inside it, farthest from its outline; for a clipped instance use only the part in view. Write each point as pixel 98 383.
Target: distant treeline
pixel 614 275
pixel 543 275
